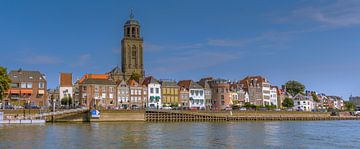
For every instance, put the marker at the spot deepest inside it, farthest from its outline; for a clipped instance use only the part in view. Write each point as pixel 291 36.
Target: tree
pixel 4 82
pixel 288 102
pixel 66 101
pixel 294 87
pixel 135 76
pixel 315 97
pixel 349 105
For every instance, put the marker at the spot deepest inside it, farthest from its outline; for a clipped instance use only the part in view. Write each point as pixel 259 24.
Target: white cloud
pixel 341 13
pixel 42 59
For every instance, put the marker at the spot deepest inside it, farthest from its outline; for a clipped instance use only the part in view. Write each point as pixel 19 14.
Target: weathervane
pixel 132 13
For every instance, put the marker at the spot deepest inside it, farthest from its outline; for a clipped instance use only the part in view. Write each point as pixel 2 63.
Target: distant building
pixel 154 93
pixel 27 87
pixel 258 89
pixel 97 90
pixel 196 94
pixel 335 102
pixel 303 102
pixel 204 82
pixel 355 100
pixel 132 55
pixel 66 86
pixel 221 94
pixel 274 96
pixel 242 95
pixel 170 93
pixel 184 97
pixel 138 95
pixel 123 95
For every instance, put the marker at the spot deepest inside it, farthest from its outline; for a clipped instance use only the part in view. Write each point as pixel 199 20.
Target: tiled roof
pixel 252 80
pixel 189 84
pixel 26 76
pixel 98 81
pixel 168 83
pixel 149 80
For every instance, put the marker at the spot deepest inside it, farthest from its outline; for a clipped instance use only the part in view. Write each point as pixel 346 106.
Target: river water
pixel 274 134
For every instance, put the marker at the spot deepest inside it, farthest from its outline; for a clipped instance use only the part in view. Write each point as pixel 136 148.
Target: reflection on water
pixel 316 134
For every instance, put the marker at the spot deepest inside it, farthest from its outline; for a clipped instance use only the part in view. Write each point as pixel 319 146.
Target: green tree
pixel 135 76
pixel 349 105
pixel 315 97
pixel 4 82
pixel 288 102
pixel 294 87
pixel 66 101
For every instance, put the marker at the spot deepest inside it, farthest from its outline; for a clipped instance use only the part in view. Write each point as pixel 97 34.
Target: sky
pixel 315 42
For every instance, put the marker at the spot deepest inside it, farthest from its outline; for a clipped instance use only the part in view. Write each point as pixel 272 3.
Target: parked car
pixel 228 109
pixel 277 110
pixel 242 109
pixel 135 107
pixel 166 108
pixel 289 110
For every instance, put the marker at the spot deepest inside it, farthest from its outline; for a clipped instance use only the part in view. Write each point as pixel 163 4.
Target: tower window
pixel 133 32
pixel 128 31
pixel 134 54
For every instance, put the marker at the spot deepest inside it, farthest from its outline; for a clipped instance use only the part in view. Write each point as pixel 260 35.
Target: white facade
pixel 65 92
pixel 266 93
pixel 273 96
pixel 197 98
pixel 303 103
pixel 154 96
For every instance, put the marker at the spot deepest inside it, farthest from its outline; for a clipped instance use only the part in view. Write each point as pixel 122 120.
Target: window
pixel 84 95
pixel 41 85
pixel 14 85
pixel 133 54
pixel 23 85
pixel 192 92
pixel 103 89
pixel 103 95
pixel 111 89
pixel 222 97
pixel 111 96
pixel 29 85
pixel 157 90
pixel 201 93
pixel 151 90
pixel 84 88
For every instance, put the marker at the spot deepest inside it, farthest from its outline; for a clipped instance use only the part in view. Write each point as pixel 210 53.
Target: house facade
pixel 303 103
pixel 26 88
pixel 221 95
pixel 196 94
pixel 258 89
pixel 170 93
pixel 154 93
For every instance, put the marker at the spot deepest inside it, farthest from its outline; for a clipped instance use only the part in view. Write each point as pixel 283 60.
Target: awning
pixel 26 91
pixel 15 91
pixel 152 97
pixel 157 97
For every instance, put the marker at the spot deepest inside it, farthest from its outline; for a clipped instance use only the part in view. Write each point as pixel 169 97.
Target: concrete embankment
pixel 120 116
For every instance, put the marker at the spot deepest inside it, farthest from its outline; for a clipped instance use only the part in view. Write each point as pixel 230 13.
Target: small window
pixel 29 85
pixel 157 90
pixel 41 85
pixel 23 85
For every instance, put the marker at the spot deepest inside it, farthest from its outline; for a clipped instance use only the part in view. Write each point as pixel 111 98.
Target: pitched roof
pixel 65 79
pixel 168 83
pixel 98 81
pixel 189 84
pixel 94 76
pixel 26 75
pixel 149 80
pixel 252 80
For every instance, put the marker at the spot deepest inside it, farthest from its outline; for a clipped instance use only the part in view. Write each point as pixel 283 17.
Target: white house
pixel 154 93
pixel 196 94
pixel 273 96
pixel 303 103
pixel 66 87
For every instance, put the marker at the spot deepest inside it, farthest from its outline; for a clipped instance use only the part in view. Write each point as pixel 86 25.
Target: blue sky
pixel 313 41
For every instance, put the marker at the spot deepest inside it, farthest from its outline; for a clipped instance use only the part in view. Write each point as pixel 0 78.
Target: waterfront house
pixel 170 93
pixel 221 94
pixel 138 94
pixel 26 88
pixel 303 102
pixel 154 93
pixel 274 95
pixel 258 89
pixel 184 97
pixel 97 90
pixel 123 95
pixel 66 86
pixel 204 82
pixel 196 94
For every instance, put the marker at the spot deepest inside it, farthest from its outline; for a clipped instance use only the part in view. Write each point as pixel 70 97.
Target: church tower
pixel 132 59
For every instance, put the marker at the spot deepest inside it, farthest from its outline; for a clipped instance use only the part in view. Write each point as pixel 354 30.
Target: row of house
pixel 30 88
